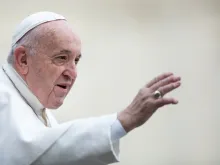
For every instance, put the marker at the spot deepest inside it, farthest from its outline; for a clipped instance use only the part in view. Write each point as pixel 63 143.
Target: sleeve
pixel 87 141
pixel 117 131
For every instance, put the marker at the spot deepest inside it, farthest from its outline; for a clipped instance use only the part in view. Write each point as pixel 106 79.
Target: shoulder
pixel 6 93
pixel 7 89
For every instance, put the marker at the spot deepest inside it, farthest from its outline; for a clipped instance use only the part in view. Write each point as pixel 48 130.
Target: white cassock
pixel 25 140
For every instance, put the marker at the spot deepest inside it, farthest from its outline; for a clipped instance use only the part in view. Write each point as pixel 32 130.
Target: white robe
pixel 25 140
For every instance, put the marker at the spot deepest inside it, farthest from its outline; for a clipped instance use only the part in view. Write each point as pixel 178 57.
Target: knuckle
pixel 150 104
pixel 153 88
pixel 170 87
pixel 170 79
pixel 143 92
pixel 148 90
pixel 158 103
pixel 161 90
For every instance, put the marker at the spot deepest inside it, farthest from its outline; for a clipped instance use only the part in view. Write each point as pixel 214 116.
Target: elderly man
pixel 39 73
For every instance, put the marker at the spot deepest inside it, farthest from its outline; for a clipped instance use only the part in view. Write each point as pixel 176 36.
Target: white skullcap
pixel 33 21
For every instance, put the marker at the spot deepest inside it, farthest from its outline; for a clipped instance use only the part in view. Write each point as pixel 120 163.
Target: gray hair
pixel 32 40
pixel 28 40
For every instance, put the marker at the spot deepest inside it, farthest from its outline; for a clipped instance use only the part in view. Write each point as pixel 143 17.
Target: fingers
pixel 168 88
pixel 165 81
pixel 165 101
pixel 158 78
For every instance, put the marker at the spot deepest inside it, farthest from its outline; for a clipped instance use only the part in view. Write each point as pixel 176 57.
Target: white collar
pixel 23 89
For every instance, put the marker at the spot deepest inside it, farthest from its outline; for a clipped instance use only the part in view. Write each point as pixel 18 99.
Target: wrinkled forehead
pixel 57 35
pixel 56 30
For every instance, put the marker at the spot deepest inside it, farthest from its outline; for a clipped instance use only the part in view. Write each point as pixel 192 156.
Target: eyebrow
pixel 79 56
pixel 65 51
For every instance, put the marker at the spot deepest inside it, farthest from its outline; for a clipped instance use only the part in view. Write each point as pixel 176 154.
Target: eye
pixel 60 60
pixel 77 60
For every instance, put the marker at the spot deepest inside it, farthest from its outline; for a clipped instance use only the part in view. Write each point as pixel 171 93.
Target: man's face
pixel 52 70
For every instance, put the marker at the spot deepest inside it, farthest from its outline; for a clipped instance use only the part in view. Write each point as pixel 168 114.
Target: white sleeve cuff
pixel 117 131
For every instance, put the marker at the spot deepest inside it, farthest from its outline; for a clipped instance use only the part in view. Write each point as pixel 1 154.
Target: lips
pixel 62 86
pixel 61 90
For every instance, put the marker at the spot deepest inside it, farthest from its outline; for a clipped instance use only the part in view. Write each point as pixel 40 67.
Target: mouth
pixel 62 86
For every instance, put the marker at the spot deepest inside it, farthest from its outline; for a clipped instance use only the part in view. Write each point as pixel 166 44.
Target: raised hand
pixel 148 100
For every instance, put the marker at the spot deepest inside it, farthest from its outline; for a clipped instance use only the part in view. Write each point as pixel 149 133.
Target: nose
pixel 70 72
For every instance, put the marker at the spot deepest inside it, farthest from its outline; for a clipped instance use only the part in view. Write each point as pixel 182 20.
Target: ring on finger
pixel 157 94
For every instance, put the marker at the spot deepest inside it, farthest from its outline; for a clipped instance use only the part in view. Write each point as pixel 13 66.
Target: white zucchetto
pixel 33 21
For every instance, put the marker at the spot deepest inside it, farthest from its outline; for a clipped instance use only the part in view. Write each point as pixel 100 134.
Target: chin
pixel 56 104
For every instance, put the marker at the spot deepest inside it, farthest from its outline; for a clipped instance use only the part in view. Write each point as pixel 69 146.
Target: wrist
pixel 125 120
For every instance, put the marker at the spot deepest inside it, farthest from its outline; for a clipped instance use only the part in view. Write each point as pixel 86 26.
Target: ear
pixel 20 59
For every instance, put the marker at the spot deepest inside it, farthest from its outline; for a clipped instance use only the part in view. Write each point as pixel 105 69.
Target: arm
pixel 88 141
pixel 135 115
pixel 25 140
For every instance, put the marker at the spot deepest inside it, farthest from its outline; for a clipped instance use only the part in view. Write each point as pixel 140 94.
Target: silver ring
pixel 157 94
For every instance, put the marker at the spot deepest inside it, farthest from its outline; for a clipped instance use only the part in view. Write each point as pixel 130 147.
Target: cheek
pixel 47 76
pixel 44 75
pixel 52 75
